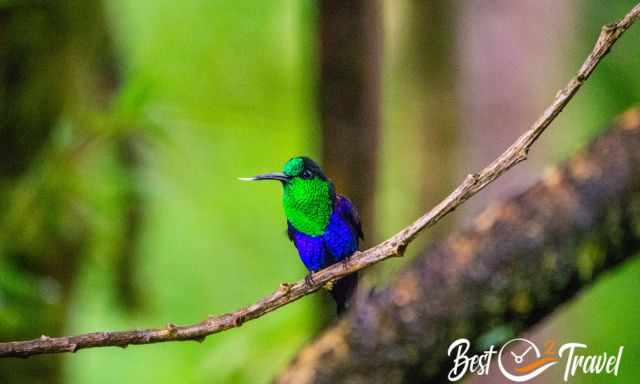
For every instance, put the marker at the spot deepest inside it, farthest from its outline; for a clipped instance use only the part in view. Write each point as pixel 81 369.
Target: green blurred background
pixel 126 123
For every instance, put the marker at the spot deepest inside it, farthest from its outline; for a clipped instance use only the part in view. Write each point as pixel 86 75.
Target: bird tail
pixel 343 290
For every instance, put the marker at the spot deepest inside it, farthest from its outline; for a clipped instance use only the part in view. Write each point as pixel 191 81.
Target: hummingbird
pixel 323 225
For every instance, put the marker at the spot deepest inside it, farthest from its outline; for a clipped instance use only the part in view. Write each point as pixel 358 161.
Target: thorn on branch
pixel 198 339
pixel 284 289
pixel 523 154
pixel 397 248
pixel 471 179
pixel 609 28
pixel 238 320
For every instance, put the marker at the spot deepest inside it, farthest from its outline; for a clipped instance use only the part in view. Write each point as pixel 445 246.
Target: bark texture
pixel 514 265
pixel 54 60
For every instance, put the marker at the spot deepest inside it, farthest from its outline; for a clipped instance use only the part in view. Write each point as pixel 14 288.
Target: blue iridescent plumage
pixel 339 240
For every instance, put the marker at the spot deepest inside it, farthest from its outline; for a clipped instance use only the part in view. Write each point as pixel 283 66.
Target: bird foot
pixel 308 280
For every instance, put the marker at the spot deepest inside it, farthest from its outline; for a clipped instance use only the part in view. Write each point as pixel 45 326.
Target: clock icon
pixel 520 360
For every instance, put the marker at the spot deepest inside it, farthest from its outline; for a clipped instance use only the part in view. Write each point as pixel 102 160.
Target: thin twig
pixel 394 246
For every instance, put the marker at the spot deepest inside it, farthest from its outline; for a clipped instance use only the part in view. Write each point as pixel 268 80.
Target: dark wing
pixel 290 231
pixel 350 213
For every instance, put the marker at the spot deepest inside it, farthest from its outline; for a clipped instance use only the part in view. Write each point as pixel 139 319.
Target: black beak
pixel 267 176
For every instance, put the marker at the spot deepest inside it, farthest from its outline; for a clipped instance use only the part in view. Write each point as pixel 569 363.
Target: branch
pixel 394 246
pixel 519 261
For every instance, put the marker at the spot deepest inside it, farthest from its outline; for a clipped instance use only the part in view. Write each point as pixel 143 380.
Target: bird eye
pixel 306 174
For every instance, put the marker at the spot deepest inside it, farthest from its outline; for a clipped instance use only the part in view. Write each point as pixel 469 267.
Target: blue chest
pixel 338 241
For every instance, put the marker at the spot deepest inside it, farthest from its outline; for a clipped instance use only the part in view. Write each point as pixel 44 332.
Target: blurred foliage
pixel 204 92
pixel 53 70
pixel 223 90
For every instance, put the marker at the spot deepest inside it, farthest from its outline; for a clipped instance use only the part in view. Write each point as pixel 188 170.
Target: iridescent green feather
pixel 294 166
pixel 307 204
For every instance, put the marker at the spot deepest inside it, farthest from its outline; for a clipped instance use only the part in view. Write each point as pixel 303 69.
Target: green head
pixel 308 194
